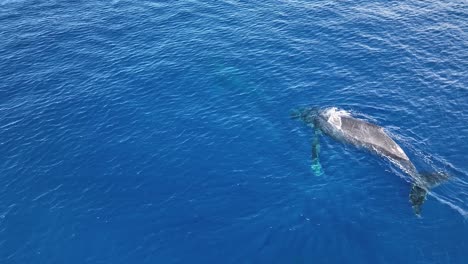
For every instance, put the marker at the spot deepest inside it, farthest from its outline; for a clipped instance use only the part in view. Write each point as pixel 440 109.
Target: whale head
pixel 306 114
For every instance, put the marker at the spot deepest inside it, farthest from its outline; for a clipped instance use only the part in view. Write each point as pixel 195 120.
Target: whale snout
pixel 306 114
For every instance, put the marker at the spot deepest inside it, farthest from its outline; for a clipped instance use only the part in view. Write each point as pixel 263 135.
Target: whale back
pixel 373 136
pixel 340 124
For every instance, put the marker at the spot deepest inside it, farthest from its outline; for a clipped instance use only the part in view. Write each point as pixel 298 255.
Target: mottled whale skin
pixel 342 126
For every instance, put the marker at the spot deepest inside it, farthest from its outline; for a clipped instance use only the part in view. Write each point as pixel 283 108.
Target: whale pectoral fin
pixel 417 197
pixel 316 166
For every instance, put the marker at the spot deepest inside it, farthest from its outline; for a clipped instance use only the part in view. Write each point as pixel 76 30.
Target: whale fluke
pixel 423 182
pixel 417 197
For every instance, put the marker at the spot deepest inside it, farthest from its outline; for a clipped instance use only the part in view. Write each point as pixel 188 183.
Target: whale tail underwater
pixel 342 126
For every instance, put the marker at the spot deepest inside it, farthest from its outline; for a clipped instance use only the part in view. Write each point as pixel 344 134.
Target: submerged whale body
pixel 342 126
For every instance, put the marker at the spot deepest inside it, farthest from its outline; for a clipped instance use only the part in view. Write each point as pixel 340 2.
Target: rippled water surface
pixel 159 131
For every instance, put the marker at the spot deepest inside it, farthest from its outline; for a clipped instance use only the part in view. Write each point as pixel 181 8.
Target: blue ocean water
pixel 159 131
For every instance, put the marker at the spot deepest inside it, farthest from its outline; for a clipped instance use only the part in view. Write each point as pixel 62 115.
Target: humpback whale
pixel 342 126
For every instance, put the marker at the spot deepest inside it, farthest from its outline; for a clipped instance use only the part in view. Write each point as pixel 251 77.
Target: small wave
pixel 454 206
pixel 336 112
